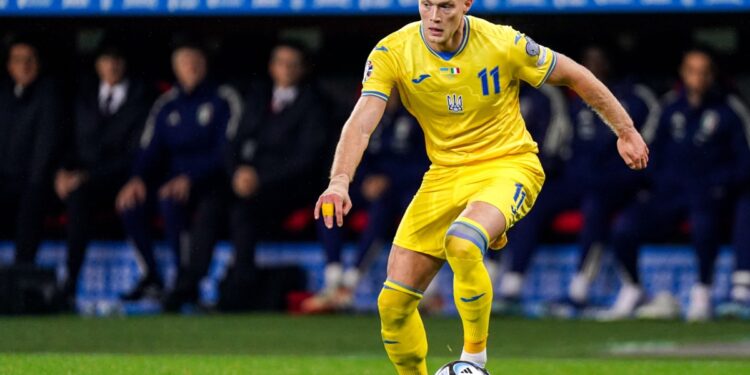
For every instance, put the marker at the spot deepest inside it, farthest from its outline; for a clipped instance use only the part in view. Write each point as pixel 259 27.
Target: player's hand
pixel 334 201
pixel 633 149
pixel 177 188
pixel 245 181
pixel 132 193
pixel 374 186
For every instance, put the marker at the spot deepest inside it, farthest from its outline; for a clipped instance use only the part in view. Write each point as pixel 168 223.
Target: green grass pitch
pixel 278 344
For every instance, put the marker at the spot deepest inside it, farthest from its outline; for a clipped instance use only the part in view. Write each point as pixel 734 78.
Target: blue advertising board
pixel 112 269
pixel 345 7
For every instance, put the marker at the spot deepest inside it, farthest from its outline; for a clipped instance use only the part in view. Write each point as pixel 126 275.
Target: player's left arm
pixel 630 144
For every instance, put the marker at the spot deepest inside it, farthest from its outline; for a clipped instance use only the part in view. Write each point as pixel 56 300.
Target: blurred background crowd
pixel 145 132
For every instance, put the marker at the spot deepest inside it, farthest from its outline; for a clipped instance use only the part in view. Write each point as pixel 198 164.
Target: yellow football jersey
pixel 466 101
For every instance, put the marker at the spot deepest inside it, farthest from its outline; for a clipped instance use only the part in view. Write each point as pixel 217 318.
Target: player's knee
pixel 395 305
pixel 466 241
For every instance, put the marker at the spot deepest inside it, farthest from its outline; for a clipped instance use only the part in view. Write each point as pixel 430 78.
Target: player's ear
pixel 467 5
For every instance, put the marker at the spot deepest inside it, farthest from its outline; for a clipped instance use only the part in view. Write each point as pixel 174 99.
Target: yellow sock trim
pixel 395 285
pixel 475 347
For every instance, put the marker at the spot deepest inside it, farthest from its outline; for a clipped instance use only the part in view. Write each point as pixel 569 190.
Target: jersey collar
pixel 448 55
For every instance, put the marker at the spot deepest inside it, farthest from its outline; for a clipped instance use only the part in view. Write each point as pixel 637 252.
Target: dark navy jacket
pixel 699 150
pixel 595 162
pixel 104 146
pixel 286 148
pixel 188 134
pixel 31 128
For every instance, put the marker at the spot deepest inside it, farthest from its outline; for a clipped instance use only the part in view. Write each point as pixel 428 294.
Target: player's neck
pixel 453 43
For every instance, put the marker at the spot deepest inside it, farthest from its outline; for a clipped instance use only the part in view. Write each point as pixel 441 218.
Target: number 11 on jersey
pixel 495 73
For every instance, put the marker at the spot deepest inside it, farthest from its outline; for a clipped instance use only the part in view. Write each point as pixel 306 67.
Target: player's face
pixel 23 65
pixel 697 73
pixel 442 18
pixel 286 67
pixel 189 67
pixel 110 69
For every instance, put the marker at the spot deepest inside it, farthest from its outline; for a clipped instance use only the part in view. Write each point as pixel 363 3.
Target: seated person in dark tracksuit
pixel 31 126
pixel 700 155
pixel 109 115
pixel 180 165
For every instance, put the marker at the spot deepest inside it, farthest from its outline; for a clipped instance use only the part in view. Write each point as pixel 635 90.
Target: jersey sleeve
pixel 530 62
pixel 381 73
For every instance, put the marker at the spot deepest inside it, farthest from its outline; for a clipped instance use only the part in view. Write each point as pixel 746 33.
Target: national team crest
pixel 368 71
pixel 205 113
pixel 174 118
pixel 455 103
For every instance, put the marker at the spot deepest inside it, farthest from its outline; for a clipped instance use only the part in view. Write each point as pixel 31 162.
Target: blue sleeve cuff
pixel 376 94
pixel 550 70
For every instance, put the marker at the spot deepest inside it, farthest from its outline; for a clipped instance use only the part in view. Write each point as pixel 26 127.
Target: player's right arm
pixel 355 136
pixel 381 75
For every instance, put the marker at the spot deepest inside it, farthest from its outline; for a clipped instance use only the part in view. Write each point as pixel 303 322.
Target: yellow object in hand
pixel 327 209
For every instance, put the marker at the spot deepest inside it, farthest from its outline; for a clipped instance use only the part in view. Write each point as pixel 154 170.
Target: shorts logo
pixel 455 103
pixel 368 71
pixel 518 197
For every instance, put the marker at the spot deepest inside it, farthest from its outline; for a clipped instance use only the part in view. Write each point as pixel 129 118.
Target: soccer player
pixel 459 76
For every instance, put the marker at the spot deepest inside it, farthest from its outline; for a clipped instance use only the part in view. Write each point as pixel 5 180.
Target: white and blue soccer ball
pixel 461 368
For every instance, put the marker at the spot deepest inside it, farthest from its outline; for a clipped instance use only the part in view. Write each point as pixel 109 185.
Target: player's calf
pixel 402 330
pixel 465 245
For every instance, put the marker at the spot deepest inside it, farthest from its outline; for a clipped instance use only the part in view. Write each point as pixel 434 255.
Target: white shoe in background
pixel 663 306
pixel 510 285
pixel 578 291
pixel 628 299
pixel 699 309
pixel 332 277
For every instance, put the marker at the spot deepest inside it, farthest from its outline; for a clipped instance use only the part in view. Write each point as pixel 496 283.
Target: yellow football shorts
pixel 511 184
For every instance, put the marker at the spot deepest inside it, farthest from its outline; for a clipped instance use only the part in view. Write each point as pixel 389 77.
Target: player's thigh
pixel 427 218
pixel 512 191
pixel 486 215
pixel 411 268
